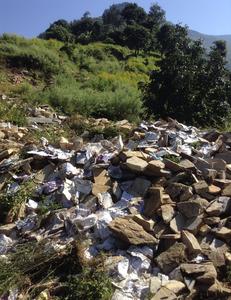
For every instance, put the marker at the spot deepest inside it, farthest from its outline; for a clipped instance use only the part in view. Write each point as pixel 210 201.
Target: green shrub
pixel 14 113
pixel 91 285
pixel 22 53
pixel 98 80
pixel 11 202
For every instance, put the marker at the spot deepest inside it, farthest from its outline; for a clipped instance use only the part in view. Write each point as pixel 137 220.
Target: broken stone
pixel 217 164
pixel 201 187
pixel 155 167
pixel 179 191
pixel 222 183
pixel 136 164
pixel 178 223
pixel 193 224
pixel 152 201
pixel 147 224
pixel 159 229
pixel 171 236
pixel 204 230
pixel 163 294
pixel 226 156
pixel 8 229
pixel 167 213
pixel 101 176
pixel 128 154
pixel 190 208
pixel 175 286
pixel 100 188
pixel 214 190
pixel 215 251
pixel 224 233
pixel 219 206
pixel 154 285
pixel 6 153
pixel 187 165
pixel 190 242
pixel 212 220
pixel 131 232
pixel 171 258
pixel 204 273
pixel 139 187
pixel 171 165
pixel 227 191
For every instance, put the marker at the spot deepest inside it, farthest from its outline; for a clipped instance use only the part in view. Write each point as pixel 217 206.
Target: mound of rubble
pixel 158 203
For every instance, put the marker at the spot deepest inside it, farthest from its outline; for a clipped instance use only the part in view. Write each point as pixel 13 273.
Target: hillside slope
pixel 98 80
pixel 209 39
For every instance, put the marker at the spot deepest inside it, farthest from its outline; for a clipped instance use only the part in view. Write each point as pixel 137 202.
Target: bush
pixel 11 202
pixel 96 80
pixel 121 103
pixel 22 53
pixel 14 113
pixel 91 285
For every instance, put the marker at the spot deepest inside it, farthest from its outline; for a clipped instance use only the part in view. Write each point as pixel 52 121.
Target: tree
pixel 133 14
pixel 83 26
pixel 218 88
pixel 59 30
pixel 136 37
pixel 156 17
pixel 86 15
pixel 113 15
pixel 187 86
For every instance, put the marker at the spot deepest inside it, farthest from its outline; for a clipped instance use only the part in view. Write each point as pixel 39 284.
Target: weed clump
pixel 11 203
pixel 90 284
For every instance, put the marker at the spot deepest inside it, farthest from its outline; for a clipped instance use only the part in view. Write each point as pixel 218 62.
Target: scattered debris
pixel 158 206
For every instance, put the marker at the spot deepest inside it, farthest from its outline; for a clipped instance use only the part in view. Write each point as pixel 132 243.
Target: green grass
pixel 32 265
pixel 10 203
pixel 98 80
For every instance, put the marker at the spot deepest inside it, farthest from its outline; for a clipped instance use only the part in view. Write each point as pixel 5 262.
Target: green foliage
pixel 11 202
pixel 14 114
pixel 126 24
pixel 174 158
pixel 45 207
pixel 90 284
pixel 98 80
pixel 187 85
pixel 59 30
pixel 32 263
pixel 137 37
pixel 22 53
pixel 228 273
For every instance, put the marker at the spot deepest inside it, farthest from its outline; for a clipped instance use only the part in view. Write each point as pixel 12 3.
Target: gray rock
pixel 168 260
pixel 190 208
pixel 152 201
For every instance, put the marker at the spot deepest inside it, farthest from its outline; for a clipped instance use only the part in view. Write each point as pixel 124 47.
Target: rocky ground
pixel 155 201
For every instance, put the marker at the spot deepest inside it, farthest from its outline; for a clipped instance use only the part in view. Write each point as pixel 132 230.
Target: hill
pixel 209 39
pixel 98 80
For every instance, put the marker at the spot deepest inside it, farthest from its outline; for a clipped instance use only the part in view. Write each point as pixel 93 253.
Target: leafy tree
pixel 133 14
pixel 86 15
pixel 217 96
pixel 136 37
pixel 83 26
pixel 156 17
pixel 113 15
pixel 59 30
pixel 187 86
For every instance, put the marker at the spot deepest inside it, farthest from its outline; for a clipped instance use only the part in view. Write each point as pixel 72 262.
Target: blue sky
pixel 31 17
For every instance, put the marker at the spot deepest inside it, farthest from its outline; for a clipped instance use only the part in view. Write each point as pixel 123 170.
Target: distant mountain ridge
pixel 209 39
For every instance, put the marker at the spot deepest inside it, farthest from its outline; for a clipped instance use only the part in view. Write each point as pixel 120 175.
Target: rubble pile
pixel 158 203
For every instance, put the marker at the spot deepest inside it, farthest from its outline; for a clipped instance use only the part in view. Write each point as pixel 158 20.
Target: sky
pixel 31 17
